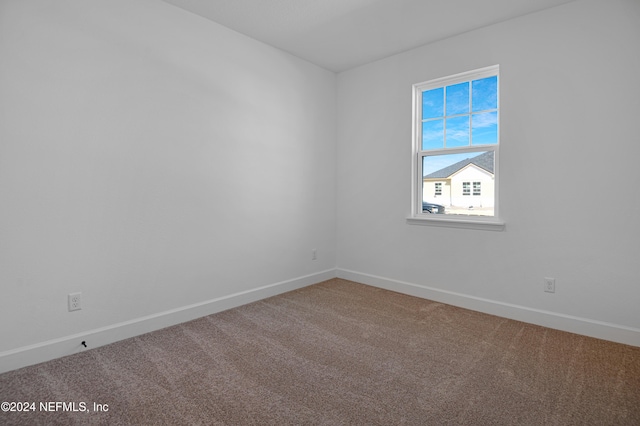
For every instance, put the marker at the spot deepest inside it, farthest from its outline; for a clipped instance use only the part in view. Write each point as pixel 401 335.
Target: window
pixel 466 189
pixel 476 188
pixel 456 141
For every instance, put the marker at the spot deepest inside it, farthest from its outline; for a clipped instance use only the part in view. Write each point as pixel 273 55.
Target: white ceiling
pixel 342 34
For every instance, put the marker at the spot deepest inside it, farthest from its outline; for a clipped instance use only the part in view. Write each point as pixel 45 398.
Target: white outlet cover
pixel 74 301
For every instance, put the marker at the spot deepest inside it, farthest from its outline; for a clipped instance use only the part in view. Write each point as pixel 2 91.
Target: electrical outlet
pixel 314 254
pixel 74 301
pixel 550 285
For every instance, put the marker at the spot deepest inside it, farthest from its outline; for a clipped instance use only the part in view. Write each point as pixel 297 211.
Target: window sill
pixel 487 224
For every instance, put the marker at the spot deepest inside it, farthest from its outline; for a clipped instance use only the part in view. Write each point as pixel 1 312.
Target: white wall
pixel 152 160
pixel 569 117
pixel 160 163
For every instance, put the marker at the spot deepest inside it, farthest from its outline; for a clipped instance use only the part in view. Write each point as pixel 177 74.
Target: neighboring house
pixel 467 183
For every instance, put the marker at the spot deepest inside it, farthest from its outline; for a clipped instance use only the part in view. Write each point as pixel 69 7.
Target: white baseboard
pixel 52 349
pixel 583 326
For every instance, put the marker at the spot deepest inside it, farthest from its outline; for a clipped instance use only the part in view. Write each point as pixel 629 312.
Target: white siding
pixel 472 174
pixel 429 192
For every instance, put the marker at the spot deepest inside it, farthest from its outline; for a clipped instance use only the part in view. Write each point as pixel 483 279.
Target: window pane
pixel 484 94
pixel 433 134
pixel 458 99
pixel 462 184
pixel 433 103
pixel 476 188
pixel 484 128
pixel 458 131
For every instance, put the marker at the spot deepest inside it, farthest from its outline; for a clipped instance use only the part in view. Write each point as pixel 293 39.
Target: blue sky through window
pixel 460 115
pixel 433 134
pixel 432 103
pixel 457 131
pixel 484 128
pixel 457 99
pixel 485 93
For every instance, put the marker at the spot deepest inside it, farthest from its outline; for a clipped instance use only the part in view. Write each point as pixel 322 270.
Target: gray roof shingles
pixel 484 161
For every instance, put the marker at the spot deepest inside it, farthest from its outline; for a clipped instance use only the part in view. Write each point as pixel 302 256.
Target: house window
pixel 456 141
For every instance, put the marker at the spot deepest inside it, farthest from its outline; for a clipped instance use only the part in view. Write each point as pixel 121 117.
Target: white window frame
pixel 418 217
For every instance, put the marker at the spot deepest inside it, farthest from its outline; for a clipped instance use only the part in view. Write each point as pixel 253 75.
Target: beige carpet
pixel 339 353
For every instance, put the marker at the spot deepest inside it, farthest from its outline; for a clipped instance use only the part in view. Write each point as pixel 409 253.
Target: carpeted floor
pixel 338 353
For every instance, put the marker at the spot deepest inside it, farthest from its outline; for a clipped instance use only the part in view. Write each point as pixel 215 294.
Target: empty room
pixel 330 212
